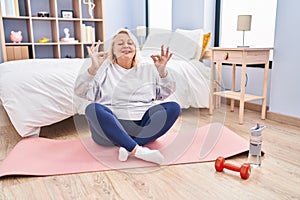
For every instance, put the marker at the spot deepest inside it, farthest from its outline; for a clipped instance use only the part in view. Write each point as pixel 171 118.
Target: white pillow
pixel 187 44
pixel 156 38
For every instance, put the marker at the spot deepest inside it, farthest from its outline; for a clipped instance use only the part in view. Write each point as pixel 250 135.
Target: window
pixel 262 24
pixel 160 14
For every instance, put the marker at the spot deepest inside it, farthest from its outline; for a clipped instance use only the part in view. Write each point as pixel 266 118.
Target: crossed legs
pixel 107 130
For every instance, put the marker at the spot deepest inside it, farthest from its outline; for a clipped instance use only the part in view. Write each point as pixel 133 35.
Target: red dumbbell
pixel 245 169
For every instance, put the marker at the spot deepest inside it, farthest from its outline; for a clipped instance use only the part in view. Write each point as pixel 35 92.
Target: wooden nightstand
pixel 234 56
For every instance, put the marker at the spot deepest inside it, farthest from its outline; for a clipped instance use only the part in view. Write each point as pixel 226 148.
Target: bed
pixel 39 92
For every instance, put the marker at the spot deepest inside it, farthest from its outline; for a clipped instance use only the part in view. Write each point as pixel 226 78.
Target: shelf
pixel 34 28
pixel 237 96
pixel 45 44
pixel 18 44
pixel 17 18
pixel 67 19
pixel 43 18
pixel 88 43
pixel 92 20
pixel 70 43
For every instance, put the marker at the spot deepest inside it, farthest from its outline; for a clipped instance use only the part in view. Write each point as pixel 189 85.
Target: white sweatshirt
pixel 127 92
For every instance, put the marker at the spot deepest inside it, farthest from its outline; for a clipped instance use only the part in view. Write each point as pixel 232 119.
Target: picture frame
pixel 67 14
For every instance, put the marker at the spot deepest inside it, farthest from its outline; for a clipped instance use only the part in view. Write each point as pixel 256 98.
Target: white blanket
pixel 39 92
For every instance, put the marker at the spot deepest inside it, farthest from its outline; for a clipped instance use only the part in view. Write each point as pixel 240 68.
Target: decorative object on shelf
pixel 67 33
pixel 43 40
pixel 67 14
pixel 10 8
pixel 244 24
pixel 91 7
pixel 141 34
pixel 43 14
pixel 88 34
pixel 16 37
pixel 67 37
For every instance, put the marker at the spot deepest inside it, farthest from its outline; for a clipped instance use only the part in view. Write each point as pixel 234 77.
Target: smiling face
pixel 124 48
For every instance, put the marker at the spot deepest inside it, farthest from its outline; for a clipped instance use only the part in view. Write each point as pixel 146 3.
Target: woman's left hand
pixel 161 61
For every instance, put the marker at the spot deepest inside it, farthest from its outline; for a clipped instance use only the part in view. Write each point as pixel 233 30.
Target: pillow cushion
pixel 206 40
pixel 156 38
pixel 187 43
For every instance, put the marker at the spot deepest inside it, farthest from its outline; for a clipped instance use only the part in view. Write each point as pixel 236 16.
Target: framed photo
pixel 67 14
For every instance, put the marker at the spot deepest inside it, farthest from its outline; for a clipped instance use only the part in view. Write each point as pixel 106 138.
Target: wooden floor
pixel 277 178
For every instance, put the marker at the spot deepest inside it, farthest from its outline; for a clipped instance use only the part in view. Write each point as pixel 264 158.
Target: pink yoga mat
pixel 44 157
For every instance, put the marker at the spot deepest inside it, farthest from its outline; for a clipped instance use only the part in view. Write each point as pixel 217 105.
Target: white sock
pixel 123 154
pixel 147 154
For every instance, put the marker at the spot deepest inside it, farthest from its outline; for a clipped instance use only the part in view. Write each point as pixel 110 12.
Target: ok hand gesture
pixel 97 57
pixel 161 61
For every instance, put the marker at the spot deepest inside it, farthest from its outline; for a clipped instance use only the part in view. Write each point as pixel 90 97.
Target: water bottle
pixel 254 157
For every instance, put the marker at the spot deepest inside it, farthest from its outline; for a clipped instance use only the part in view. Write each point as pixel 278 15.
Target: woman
pixel 124 112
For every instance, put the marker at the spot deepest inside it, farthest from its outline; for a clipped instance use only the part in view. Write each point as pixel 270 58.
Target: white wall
pixel 209 19
pixel 285 90
pixel 116 15
pixel 138 13
pixel 188 14
pixel 120 14
pixel 157 9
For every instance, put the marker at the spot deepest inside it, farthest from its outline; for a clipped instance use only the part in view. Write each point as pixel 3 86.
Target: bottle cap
pixel 256 131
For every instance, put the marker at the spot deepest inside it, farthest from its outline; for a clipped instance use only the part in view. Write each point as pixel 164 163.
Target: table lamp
pixel 244 24
pixel 141 33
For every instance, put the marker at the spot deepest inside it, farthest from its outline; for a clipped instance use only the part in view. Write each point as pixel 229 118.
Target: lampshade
pixel 244 23
pixel 141 31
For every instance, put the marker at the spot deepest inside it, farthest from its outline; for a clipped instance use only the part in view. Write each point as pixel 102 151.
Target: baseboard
pixel 286 119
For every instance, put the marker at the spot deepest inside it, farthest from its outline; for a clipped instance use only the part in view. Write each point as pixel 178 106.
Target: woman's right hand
pixel 97 57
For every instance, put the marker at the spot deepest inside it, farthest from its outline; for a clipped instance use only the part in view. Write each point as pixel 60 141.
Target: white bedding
pixel 192 83
pixel 39 92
